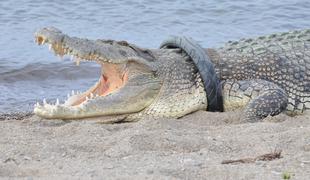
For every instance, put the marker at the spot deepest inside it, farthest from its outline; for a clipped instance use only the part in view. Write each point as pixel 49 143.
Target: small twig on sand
pixel 265 157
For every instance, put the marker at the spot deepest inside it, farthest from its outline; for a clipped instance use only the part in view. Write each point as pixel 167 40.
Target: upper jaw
pixel 49 35
pixel 104 51
pixel 62 44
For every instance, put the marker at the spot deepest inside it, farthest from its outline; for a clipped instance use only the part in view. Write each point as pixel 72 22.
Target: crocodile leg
pixel 259 98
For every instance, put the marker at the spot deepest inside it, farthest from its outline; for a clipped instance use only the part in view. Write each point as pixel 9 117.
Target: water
pixel 29 72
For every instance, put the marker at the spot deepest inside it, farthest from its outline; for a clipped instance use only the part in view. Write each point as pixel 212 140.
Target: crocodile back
pixel 282 58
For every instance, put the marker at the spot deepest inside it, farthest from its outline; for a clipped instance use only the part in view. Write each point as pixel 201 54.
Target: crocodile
pixel 262 76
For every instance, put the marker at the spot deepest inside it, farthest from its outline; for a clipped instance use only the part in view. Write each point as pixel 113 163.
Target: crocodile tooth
pixel 44 101
pixel 72 58
pixel 72 92
pixel 50 47
pixel 91 95
pixel 77 61
pixel 61 57
pixel 57 102
pixel 68 96
pixel 87 98
pixel 37 104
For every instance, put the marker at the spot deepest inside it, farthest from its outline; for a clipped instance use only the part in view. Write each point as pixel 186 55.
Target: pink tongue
pixel 101 89
pixel 103 86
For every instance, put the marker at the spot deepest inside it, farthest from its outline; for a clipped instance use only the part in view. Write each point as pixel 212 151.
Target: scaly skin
pixel 281 59
pixel 263 76
pixel 157 79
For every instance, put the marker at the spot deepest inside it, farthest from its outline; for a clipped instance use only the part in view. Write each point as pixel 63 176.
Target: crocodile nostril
pixel 40 40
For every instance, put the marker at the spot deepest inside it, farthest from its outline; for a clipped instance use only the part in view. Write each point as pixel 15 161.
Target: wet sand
pixel 192 147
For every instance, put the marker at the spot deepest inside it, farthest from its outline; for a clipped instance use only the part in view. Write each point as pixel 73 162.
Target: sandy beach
pixel 192 147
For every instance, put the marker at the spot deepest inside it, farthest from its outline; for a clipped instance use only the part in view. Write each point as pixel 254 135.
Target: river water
pixel 29 72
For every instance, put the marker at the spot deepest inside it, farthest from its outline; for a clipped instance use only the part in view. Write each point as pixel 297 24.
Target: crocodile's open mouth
pixel 113 75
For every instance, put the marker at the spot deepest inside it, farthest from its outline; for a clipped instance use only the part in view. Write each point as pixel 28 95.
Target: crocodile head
pixel 127 83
